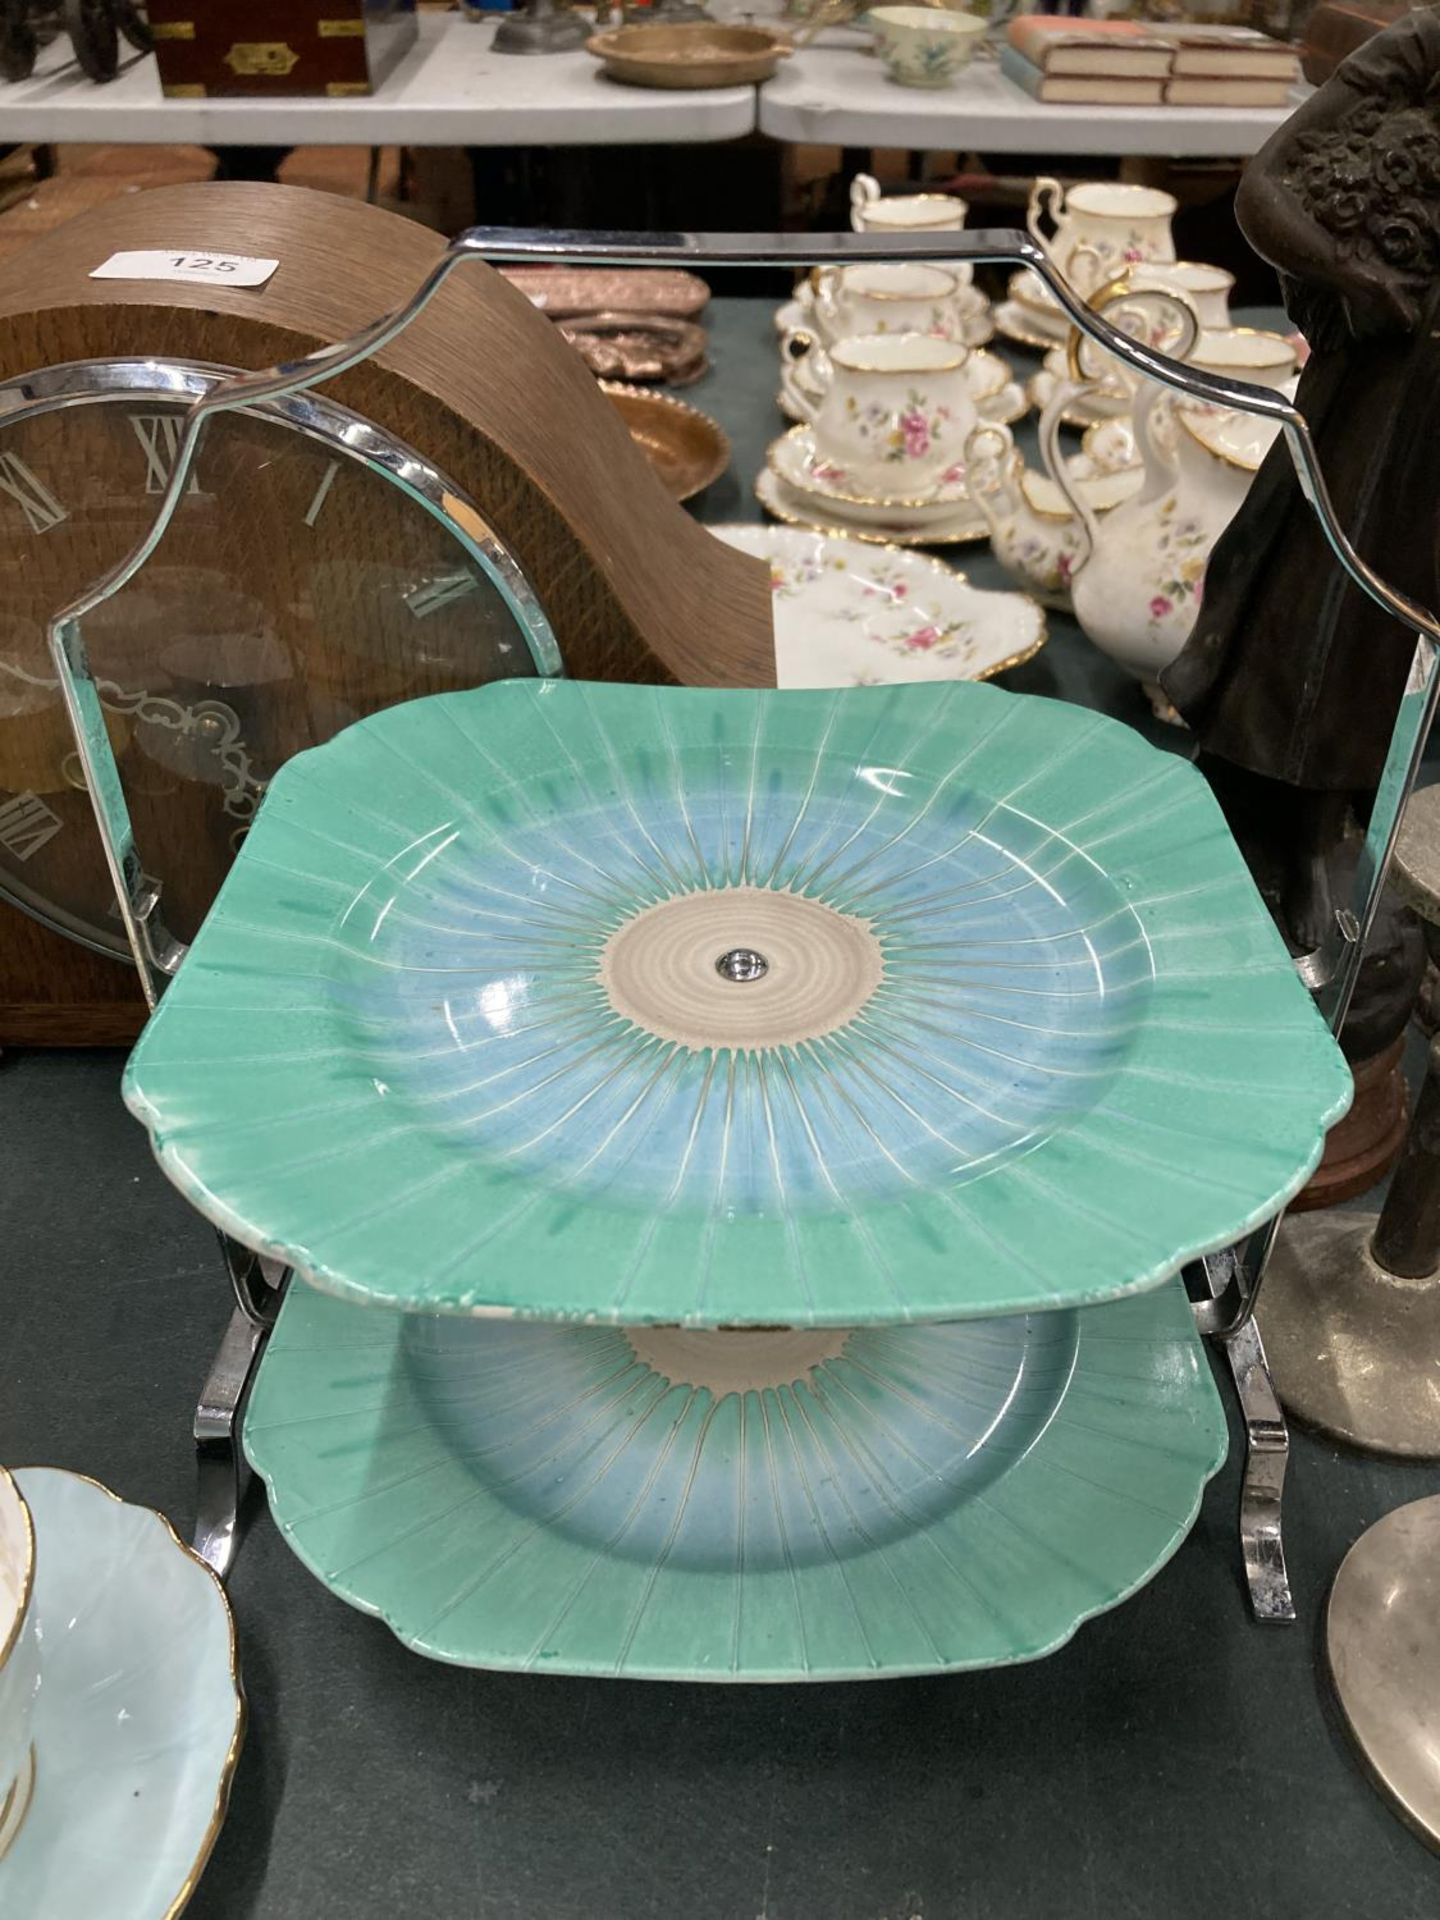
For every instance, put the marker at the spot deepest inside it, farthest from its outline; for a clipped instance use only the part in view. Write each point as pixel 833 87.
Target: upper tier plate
pixel 634 1004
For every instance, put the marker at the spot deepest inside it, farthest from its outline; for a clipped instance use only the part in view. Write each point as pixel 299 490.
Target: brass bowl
pixel 697 54
pixel 686 447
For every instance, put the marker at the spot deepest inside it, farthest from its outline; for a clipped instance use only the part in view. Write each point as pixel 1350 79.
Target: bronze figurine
pixel 1292 677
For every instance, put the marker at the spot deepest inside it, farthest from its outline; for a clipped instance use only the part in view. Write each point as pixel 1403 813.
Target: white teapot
pixel 1035 533
pixel 1136 578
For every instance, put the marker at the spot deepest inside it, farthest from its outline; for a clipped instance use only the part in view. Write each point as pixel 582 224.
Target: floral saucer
pixel 798 460
pixel 999 398
pixel 875 527
pixel 1239 439
pixel 139 1716
pixel 1026 289
pixel 1017 324
pixel 1084 409
pixel 847 615
pixel 978 327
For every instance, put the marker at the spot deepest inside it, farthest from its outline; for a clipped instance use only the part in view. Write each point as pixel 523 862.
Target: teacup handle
pixel 989 459
pixel 1085 268
pixel 798 344
pixel 864 188
pixel 1047 200
pixel 825 285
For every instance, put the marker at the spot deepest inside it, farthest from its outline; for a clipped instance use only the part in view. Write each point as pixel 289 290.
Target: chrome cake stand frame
pixel 1224 1286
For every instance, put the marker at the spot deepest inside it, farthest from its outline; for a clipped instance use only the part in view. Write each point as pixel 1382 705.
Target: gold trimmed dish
pixel 687 449
pixel 139 1718
pixel 852 615
pixel 699 53
pixel 965 527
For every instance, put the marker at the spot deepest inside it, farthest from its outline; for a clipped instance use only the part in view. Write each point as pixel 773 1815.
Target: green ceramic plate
pixel 665 1504
pixel 820 1009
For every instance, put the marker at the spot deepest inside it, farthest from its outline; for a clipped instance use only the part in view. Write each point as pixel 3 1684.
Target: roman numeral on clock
pixel 34 499
pixel 160 435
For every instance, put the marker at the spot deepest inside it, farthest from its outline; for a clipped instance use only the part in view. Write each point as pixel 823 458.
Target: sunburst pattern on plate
pixel 657 1504
pixel 458 1034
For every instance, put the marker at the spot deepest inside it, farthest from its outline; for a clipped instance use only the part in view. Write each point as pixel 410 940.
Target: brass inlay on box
pixel 341 29
pixel 261 56
pixel 337 87
pixel 185 90
pixel 173 30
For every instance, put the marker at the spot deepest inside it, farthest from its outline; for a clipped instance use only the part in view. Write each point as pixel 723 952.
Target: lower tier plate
pixel 657 1503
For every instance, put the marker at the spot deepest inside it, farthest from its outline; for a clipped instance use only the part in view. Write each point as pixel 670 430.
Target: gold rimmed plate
pixel 139 1717
pixel 852 615
pixel 687 449
pixel 965 528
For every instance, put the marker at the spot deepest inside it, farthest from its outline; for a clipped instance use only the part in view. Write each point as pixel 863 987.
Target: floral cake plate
pixel 138 1720
pixel 847 614
pixel 657 1504
pixel 633 1004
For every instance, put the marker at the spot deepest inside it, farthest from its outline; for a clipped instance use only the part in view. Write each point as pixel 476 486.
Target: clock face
pixel 307 579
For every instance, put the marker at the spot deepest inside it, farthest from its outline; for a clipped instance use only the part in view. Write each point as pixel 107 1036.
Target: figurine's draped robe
pixel 1291 671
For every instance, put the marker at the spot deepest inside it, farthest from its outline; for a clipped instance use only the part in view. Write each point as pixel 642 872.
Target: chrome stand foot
pixel 1267 1451
pixel 221 1473
pixel 1382 1638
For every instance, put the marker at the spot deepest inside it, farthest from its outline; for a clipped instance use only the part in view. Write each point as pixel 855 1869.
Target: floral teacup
pixel 896 411
pixel 1247 353
pixel 1206 288
pixel 902 212
pixel 907 297
pixel 19 1657
pixel 924 46
pixel 1101 228
pixel 909 213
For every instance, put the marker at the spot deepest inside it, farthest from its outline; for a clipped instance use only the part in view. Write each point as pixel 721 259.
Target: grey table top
pixel 1173 1760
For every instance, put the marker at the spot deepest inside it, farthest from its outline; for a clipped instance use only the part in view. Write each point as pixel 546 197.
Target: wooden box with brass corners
pixel 468 505
pixel 333 47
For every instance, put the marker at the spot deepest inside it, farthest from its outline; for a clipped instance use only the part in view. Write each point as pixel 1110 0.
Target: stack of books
pixel 1139 63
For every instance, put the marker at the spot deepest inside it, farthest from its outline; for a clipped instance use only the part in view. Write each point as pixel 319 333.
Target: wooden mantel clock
pixel 453 511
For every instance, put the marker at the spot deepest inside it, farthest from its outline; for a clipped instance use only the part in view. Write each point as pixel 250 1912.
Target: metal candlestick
pixel 1382 1640
pixel 1352 1305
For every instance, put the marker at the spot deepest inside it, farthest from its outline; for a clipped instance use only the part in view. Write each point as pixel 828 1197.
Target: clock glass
pixel 316 570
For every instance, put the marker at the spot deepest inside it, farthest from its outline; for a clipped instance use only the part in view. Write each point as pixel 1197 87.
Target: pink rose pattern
pixel 910 434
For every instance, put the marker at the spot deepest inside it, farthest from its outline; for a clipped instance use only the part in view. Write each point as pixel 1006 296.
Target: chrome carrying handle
pixel 1331 974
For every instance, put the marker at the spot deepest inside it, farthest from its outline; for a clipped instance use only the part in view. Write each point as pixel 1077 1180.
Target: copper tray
pixel 697 54
pixel 686 447
pixel 638 346
pixel 566 292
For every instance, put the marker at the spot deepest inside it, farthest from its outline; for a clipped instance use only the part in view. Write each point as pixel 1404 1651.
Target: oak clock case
pixel 304 583
pixel 213 670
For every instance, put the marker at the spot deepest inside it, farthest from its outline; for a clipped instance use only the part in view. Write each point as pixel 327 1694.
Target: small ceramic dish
pixel 138 1720
pixel 817 514
pixel 924 46
pixel 1021 327
pixel 19 1658
pixel 687 449
pixel 693 54
pixel 847 615
pixel 661 1504
pixel 1239 439
pixel 977 321
pixel 797 459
